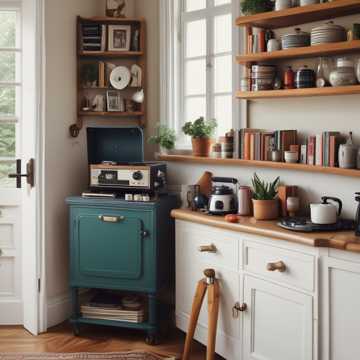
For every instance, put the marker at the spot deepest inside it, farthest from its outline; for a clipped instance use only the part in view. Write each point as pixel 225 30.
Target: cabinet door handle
pixel 111 219
pixel 276 266
pixel 238 308
pixel 208 248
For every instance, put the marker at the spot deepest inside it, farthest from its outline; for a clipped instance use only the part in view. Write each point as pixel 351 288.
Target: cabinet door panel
pixel 278 322
pixel 110 249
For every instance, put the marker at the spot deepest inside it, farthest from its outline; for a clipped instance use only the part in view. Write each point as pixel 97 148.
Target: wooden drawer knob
pixel 276 266
pixel 208 248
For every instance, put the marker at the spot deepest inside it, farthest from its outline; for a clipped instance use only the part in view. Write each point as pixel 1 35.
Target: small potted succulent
pixel 201 131
pixel 165 138
pixel 265 201
pixel 250 7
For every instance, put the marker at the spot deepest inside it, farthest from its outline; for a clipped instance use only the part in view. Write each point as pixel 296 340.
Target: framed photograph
pixel 115 8
pixel 114 101
pixel 119 37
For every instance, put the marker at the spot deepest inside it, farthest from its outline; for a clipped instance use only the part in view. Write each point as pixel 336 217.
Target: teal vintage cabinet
pixel 120 245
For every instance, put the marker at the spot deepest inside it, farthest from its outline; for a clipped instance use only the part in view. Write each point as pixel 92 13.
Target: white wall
pixel 65 158
pixel 308 115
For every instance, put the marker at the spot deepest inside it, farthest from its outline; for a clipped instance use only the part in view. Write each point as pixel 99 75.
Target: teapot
pixel 326 213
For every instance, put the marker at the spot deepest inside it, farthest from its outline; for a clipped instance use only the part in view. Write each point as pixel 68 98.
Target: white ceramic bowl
pixel 291 157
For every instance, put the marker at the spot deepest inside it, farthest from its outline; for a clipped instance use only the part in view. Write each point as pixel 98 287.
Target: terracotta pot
pixel 266 209
pixel 201 146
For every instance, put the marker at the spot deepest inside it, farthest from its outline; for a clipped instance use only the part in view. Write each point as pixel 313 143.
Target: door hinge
pixel 39 285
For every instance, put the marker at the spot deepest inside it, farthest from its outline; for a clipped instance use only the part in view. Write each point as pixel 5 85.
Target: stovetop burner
pixel 303 224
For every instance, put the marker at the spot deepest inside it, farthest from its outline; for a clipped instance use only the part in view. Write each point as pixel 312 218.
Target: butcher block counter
pixel 343 240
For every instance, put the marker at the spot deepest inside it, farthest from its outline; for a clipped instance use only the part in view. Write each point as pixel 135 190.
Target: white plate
pixel 120 77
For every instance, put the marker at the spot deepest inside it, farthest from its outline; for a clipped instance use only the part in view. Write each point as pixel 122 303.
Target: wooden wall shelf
pixel 326 91
pixel 111 113
pixel 302 52
pixel 261 164
pixel 110 54
pixel 301 15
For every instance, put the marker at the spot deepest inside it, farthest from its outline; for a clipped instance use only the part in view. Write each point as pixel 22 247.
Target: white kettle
pixel 326 213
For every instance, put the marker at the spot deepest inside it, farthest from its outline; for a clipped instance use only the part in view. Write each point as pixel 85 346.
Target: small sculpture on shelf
pixel 115 8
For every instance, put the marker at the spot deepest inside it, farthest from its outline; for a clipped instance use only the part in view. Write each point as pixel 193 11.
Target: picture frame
pixel 119 37
pixel 114 101
pixel 115 8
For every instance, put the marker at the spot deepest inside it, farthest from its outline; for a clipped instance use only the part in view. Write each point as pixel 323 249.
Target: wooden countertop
pixel 343 240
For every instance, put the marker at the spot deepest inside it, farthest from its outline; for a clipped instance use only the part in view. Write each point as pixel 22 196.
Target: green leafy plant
pixel 263 190
pixel 249 7
pixel 165 137
pixel 200 128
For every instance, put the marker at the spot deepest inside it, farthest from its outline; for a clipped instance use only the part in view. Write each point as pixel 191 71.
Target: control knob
pixel 137 175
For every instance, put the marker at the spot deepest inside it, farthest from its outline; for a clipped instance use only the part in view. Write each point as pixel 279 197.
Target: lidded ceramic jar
pixel 305 78
pixel 344 73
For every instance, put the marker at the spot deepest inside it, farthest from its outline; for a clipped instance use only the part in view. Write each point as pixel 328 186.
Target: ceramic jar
pixel 282 4
pixel 244 201
pixel 347 156
pixel 343 74
pixel 308 2
pixel 305 78
pixel 273 45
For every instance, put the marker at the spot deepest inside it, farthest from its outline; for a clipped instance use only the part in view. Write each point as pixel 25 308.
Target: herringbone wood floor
pixel 92 339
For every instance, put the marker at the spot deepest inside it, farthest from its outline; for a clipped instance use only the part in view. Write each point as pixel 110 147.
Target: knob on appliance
pixel 137 175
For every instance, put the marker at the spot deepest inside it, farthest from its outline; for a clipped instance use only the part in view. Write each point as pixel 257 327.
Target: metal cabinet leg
pixel 75 310
pixel 152 337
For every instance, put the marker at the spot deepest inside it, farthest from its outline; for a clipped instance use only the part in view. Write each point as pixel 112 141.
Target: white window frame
pixel 171 47
pixel 17 84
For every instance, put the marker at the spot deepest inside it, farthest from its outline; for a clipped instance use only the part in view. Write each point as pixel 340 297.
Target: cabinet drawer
pixel 296 269
pixel 213 247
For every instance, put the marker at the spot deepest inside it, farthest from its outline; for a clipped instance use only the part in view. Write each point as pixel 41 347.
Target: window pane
pixel 7 101
pixel 8 29
pixel 8 67
pixel 7 140
pixel 223 113
pixel 221 2
pixel 223 74
pixel 195 77
pixel 194 108
pixel 222 33
pixel 196 38
pixel 193 5
pixel 5 170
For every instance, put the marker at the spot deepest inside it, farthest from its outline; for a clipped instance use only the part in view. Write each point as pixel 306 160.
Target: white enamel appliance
pixel 326 213
pixel 222 200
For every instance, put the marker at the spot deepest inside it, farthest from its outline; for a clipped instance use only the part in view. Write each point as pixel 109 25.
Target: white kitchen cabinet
pixel 278 322
pixel 340 325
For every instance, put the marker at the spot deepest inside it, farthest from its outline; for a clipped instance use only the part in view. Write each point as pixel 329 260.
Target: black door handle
pixel 29 173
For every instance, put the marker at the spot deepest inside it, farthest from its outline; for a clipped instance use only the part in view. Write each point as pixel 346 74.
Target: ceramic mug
pixel 273 45
pixel 347 156
pixel 282 4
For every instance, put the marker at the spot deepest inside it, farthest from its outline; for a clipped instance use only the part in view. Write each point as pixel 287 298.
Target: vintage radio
pixel 116 162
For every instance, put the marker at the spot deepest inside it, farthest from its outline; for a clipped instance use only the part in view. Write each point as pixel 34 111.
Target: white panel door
pixel 11 311
pixel 278 322
pixel 340 310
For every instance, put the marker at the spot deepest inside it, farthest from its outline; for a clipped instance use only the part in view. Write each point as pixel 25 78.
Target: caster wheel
pixel 152 340
pixel 76 330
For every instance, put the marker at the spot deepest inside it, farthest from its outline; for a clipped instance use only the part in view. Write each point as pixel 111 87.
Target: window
pixel 9 92
pixel 200 76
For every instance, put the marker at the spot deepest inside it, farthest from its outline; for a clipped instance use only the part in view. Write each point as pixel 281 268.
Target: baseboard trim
pixel 58 309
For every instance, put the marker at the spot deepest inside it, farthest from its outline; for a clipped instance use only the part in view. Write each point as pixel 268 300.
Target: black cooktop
pixel 303 224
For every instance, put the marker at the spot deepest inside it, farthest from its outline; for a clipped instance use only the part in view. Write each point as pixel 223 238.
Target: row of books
pixel 93 37
pixel 257 40
pixel 96 74
pixel 107 306
pixel 256 144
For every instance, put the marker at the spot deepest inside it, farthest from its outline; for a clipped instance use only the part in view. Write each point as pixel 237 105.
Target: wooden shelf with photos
pixel 260 164
pixel 111 67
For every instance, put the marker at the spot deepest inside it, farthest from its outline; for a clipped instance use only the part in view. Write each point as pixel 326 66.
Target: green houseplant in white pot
pixel 201 131
pixel 165 138
pixel 265 200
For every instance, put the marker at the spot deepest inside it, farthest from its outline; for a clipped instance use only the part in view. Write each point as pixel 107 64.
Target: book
pixel 101 74
pixel 303 154
pixel 319 150
pixel 311 150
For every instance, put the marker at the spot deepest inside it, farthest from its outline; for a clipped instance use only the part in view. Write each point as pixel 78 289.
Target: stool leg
pixel 213 311
pixel 195 311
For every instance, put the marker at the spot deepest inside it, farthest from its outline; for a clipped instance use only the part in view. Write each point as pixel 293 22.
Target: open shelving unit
pixel 125 58
pixel 261 164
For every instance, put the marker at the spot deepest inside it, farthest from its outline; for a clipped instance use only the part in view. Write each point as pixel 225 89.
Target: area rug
pixel 86 356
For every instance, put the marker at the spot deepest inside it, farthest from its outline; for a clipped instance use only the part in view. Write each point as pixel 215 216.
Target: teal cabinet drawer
pixel 113 248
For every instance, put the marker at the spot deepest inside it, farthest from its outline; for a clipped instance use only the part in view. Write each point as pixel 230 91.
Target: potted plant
pixel 165 138
pixel 200 131
pixel 250 7
pixel 265 201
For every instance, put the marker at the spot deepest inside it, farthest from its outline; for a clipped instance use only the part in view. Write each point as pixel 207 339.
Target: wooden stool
pixel 211 284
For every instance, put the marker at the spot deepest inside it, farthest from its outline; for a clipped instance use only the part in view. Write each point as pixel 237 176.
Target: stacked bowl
pixel 328 33
pixel 297 39
pixel 262 77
